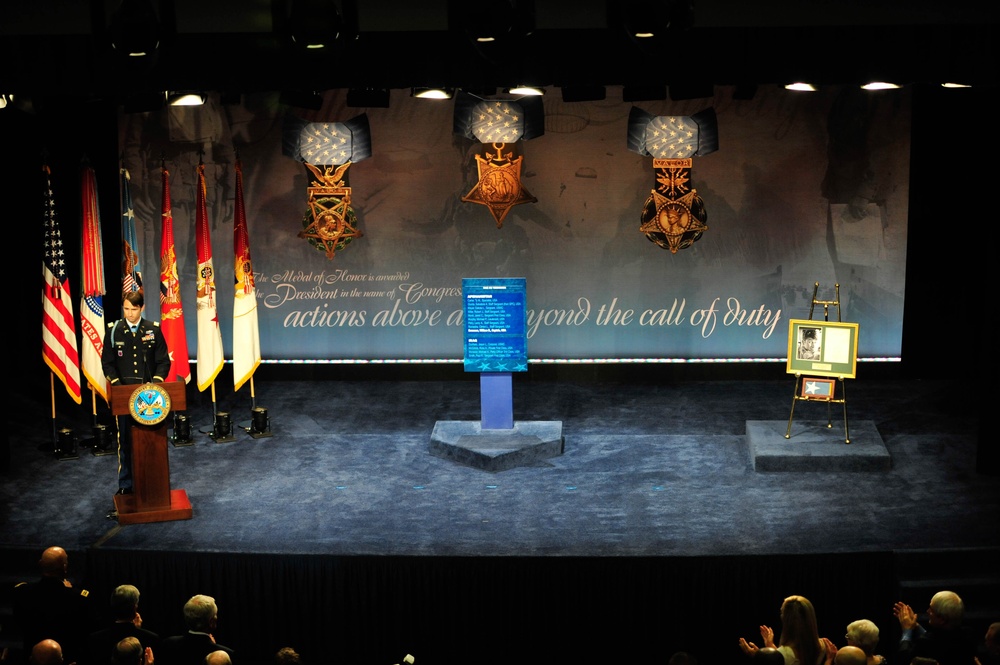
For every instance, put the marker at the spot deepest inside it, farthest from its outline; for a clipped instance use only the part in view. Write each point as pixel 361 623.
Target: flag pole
pixel 52 398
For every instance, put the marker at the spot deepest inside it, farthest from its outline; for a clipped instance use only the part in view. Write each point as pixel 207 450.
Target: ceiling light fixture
pixel 185 99
pixel 880 85
pixel 526 91
pixel 801 87
pixel 134 29
pixel 313 25
pixel 432 93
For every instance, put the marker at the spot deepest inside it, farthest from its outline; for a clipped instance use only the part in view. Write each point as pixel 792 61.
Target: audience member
pixel 768 656
pixel 988 652
pixel 864 635
pixel 46 652
pixel 849 655
pixel 130 651
pixel 126 622
pixel 287 656
pixel 51 609
pixel 682 658
pixel 201 616
pixel 218 657
pixel 800 643
pixel 944 639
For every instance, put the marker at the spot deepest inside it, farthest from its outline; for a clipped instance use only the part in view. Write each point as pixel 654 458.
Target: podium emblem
pixel 149 404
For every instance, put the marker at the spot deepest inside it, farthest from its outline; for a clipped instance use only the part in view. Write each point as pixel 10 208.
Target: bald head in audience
pixel 46 652
pixel 850 656
pixel 218 658
pixel 54 562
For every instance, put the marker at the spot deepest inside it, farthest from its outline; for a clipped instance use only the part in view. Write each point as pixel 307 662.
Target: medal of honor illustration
pixel 500 125
pixel 328 149
pixel 149 404
pixel 499 187
pixel 330 223
pixel 674 216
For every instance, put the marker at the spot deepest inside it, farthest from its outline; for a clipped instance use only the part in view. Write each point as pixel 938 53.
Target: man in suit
pixel 46 652
pixel 135 352
pixel 126 622
pixel 201 616
pixel 50 608
pixel 945 639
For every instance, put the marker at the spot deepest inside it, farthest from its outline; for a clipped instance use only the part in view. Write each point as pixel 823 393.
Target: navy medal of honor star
pixel 149 404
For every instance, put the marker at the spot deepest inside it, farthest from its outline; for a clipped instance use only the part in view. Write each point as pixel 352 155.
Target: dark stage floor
pixel 657 469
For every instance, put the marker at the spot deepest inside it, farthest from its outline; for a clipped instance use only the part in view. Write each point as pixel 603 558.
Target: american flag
pixel 131 273
pixel 59 350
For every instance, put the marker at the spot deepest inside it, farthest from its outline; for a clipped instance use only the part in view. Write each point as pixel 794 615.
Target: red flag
pixel 171 311
pixel 246 335
pixel 92 300
pixel 59 350
pixel 210 355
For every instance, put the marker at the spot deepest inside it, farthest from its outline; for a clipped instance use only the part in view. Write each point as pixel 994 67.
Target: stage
pixel 659 499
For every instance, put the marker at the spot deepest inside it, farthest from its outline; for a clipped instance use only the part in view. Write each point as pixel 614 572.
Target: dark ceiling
pixel 61 47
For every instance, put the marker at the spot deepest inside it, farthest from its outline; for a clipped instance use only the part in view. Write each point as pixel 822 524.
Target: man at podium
pixel 135 352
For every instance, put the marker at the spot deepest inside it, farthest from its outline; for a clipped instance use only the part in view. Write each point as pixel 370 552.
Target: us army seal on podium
pixel 149 404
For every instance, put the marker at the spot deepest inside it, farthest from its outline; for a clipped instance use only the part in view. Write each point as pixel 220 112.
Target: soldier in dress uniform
pixel 51 608
pixel 135 352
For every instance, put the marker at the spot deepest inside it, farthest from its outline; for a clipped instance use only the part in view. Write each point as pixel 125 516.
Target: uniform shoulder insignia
pixel 156 323
pixel 84 593
pixel 112 324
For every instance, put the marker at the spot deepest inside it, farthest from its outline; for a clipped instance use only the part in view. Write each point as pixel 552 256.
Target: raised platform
pixel 466 442
pixel 812 446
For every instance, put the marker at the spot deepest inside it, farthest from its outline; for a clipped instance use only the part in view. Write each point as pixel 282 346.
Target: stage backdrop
pixel 804 188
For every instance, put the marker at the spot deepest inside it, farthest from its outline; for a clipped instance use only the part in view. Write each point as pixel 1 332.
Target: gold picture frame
pixel 822 348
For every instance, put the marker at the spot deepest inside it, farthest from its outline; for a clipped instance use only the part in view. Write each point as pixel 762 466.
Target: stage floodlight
pixel 66 445
pixel 222 428
pixel 260 423
pixel 182 430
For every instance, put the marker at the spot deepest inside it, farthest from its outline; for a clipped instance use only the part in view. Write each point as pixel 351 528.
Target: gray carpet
pixel 663 469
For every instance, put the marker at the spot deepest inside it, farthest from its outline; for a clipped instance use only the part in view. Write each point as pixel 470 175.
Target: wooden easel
pixel 800 394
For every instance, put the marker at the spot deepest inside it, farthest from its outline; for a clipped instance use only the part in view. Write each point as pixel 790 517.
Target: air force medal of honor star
pixel 149 404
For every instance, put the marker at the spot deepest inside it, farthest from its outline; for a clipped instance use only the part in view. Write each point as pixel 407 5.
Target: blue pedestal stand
pixel 497 442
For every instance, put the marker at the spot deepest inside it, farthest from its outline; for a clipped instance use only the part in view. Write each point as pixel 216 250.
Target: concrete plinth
pixel 466 442
pixel 812 446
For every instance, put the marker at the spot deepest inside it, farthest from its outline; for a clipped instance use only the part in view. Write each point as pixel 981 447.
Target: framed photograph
pixel 821 389
pixel 822 348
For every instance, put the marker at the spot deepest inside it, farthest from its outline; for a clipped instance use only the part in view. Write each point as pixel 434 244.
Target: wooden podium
pixel 153 500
